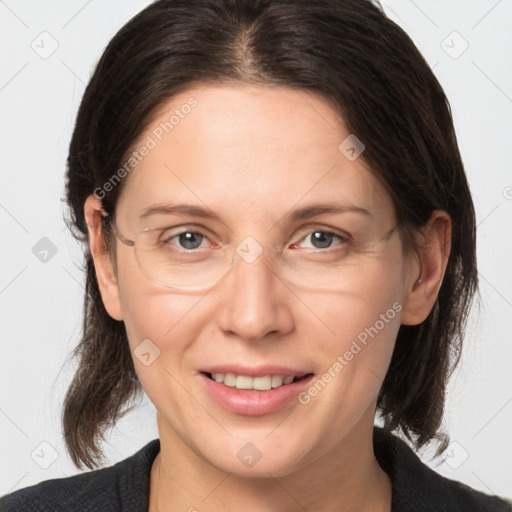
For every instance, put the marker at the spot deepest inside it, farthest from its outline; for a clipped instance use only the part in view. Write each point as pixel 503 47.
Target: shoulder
pixel 123 486
pixel 417 487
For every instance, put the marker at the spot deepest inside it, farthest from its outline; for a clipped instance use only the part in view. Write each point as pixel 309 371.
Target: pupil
pixel 321 237
pixel 187 240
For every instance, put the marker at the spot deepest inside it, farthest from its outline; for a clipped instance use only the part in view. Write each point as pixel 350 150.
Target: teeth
pixel 258 383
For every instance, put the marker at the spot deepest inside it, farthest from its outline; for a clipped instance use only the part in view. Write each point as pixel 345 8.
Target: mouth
pixel 253 396
pixel 248 383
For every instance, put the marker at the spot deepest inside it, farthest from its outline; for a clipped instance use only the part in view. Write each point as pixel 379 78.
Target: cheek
pixel 354 323
pixel 161 327
pixel 355 330
pixel 149 310
pixel 368 293
pixel 169 320
pixel 351 356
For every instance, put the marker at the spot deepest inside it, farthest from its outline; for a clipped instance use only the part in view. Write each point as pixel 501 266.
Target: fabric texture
pixel 124 487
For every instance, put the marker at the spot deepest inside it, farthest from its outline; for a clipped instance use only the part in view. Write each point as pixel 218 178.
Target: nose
pixel 254 301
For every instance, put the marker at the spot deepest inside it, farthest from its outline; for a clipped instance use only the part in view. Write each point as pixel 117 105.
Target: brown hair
pixel 349 53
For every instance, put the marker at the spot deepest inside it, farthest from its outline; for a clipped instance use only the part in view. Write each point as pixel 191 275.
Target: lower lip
pixel 250 402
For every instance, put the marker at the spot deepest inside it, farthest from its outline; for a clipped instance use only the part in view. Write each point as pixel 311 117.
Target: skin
pixel 252 155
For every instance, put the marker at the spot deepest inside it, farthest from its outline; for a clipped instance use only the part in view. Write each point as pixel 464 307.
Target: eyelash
pixel 345 239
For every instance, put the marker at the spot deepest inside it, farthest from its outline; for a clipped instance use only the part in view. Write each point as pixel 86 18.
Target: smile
pixel 248 399
pixel 263 383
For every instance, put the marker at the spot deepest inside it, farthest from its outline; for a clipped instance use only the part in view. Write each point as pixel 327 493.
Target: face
pixel 253 156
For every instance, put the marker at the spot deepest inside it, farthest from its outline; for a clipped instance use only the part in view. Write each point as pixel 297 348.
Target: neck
pixel 347 478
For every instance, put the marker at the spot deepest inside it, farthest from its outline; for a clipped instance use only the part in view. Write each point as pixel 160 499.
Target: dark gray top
pixel 125 486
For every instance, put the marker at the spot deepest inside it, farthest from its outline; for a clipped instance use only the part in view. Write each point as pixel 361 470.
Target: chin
pixel 254 459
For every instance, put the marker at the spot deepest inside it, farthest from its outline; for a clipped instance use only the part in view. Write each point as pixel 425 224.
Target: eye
pixel 322 239
pixel 186 240
pixel 190 240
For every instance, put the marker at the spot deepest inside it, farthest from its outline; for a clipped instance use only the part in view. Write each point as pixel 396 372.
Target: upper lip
pixel 255 371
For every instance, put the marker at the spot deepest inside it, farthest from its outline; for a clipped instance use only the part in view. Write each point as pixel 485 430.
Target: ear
pixel 103 265
pixel 424 283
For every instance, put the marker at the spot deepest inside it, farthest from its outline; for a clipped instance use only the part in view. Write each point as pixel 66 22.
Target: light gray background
pixel 41 302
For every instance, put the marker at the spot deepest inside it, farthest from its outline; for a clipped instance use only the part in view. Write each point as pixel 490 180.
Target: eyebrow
pixel 298 214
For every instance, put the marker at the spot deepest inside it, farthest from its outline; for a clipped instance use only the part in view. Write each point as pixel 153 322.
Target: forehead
pixel 248 150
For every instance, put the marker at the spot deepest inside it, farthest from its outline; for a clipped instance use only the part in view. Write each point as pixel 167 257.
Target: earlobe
pixel 425 281
pixel 103 265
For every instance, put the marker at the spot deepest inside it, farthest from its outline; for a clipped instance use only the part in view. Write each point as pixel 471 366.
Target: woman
pixel 281 243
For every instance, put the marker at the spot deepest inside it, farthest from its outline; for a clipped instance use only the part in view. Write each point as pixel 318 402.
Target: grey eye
pixel 187 240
